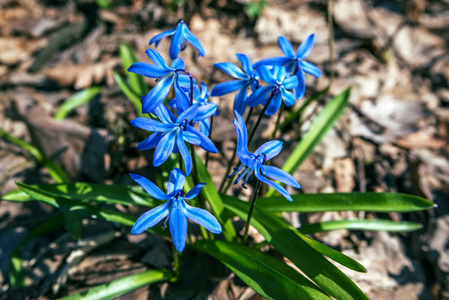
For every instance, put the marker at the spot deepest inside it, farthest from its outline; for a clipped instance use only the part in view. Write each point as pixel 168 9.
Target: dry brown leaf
pixel 83 76
pixel 420 140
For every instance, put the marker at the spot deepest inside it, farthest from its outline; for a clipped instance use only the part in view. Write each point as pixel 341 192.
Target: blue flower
pixel 256 162
pixel 166 77
pixel 175 208
pixel 246 78
pixel 294 62
pixel 278 84
pixel 181 35
pixel 171 133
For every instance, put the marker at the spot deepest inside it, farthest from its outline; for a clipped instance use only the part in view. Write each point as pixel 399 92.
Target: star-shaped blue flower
pixel 166 77
pixel 175 208
pixel 256 162
pixel 246 78
pixel 294 62
pixel 171 133
pixel 181 35
pixel 278 84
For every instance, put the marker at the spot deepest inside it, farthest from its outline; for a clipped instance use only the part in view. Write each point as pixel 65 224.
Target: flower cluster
pixel 175 125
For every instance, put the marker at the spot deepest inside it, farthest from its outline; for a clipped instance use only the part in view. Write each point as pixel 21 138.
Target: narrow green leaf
pixel 76 100
pixel 285 239
pixel 126 89
pixel 367 225
pixel 123 285
pixel 317 131
pixel 376 202
pixel 210 193
pixel 271 278
pixel 136 81
pixel 53 169
pixel 105 4
pixel 16 275
pixel 89 192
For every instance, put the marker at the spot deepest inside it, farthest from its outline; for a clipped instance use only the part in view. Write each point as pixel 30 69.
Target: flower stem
pixel 231 161
pixel 273 135
pixel 177 264
pixel 260 118
pixel 250 213
pixel 210 137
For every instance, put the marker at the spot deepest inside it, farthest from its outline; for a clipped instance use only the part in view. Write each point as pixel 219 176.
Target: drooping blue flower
pixel 278 84
pixel 294 62
pixel 171 133
pixel 246 78
pixel 256 162
pixel 166 77
pixel 175 208
pixel 181 35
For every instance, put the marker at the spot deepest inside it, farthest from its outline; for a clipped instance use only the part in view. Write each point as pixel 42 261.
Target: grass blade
pixel 136 81
pixel 76 100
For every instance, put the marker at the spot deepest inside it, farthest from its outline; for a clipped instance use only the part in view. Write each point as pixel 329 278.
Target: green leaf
pixel 367 225
pixel 376 202
pixel 269 277
pixel 285 239
pixel 84 208
pixel 317 131
pixel 16 275
pixel 90 192
pixel 76 100
pixel 53 169
pixel 105 4
pixel 123 285
pixel 126 89
pixel 210 193
pixel 136 81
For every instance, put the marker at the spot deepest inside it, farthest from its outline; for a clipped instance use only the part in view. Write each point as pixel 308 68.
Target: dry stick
pixel 251 208
pixel 231 161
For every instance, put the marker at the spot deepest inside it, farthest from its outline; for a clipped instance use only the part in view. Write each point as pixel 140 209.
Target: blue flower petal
pixel 188 114
pixel 156 58
pixel 274 105
pixel 176 42
pixel 240 100
pixel 182 99
pixel 184 153
pixel 232 70
pixel 279 175
pixel 195 191
pixel 290 82
pixel 193 41
pixel 191 138
pixel 164 148
pixel 151 125
pixel 204 91
pixel 306 47
pixel 270 149
pixel 148 70
pixel 150 218
pixel 206 143
pixel 178 63
pixel 242 136
pixel 150 142
pixel 205 127
pixel 273 61
pixel 163 114
pixel 149 187
pixel 261 95
pixel 157 94
pixel 204 218
pixel 178 224
pixel 205 111
pixel 246 63
pixel 310 69
pixel 288 97
pixel 267 75
pixel 301 87
pixel 228 87
pixel 273 184
pixel 156 39
pixel 279 73
pixel 175 181
pixel 286 47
